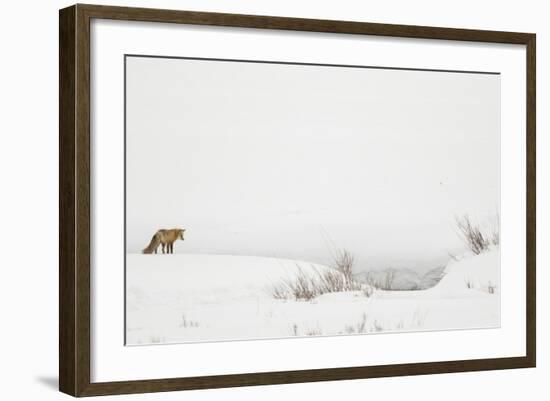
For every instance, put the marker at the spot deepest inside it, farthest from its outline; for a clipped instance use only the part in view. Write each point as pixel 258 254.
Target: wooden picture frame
pixel 75 197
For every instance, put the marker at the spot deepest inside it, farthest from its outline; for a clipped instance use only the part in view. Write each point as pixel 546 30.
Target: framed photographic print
pixel 250 200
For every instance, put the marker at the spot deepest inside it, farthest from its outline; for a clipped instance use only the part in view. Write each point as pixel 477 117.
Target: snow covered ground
pixel 189 298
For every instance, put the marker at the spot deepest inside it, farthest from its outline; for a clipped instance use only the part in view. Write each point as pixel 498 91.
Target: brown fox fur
pixel 166 238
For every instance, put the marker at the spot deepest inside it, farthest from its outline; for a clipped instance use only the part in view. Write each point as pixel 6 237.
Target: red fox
pixel 166 238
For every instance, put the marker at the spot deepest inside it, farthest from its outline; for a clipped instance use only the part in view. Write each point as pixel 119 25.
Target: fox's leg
pixel 162 248
pixel 172 247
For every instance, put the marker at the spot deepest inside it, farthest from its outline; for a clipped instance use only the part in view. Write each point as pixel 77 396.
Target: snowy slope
pixel 188 298
pixel 480 273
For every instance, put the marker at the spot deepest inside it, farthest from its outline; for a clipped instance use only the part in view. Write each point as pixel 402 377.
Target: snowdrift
pixel 189 298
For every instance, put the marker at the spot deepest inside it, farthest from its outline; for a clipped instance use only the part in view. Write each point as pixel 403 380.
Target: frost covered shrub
pixel 382 283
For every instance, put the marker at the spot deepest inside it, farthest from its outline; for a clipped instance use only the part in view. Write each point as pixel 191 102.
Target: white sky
pixel 271 160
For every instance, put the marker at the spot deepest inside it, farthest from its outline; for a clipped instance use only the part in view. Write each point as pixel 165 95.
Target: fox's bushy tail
pixel 153 245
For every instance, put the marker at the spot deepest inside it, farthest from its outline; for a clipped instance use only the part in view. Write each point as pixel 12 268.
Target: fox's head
pixel 180 233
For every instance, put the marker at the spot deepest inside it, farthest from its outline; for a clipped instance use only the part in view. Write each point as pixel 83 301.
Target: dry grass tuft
pixel 474 237
pixel 308 285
